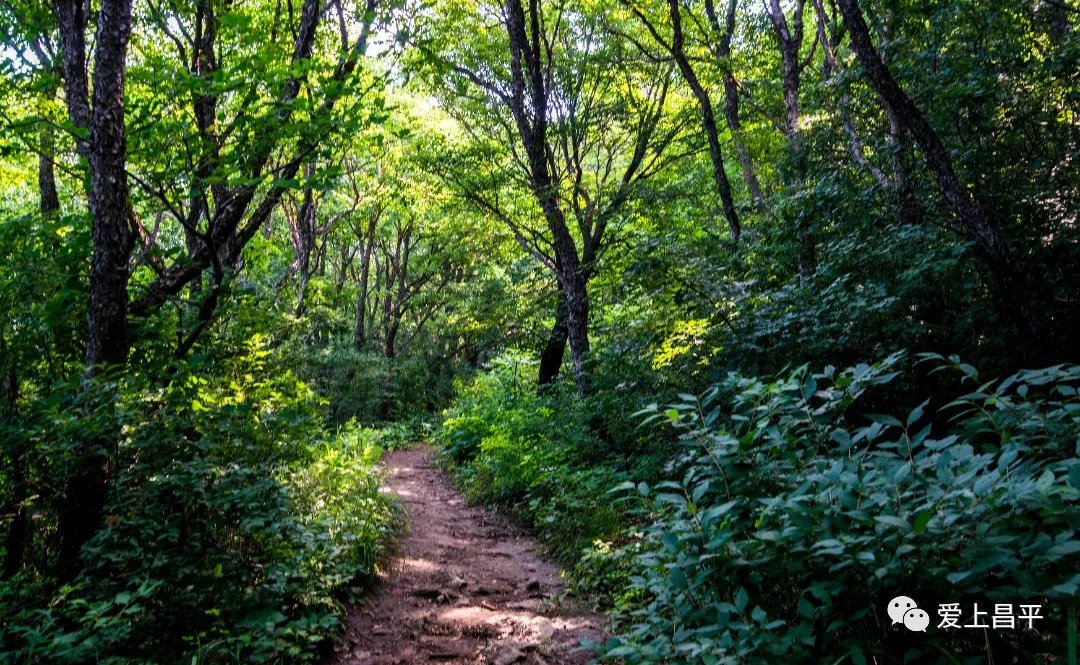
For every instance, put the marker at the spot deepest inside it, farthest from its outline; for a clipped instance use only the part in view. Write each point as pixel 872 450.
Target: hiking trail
pixel 468 587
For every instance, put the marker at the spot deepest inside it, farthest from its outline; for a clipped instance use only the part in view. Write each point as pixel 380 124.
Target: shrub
pixel 232 519
pixel 789 528
pixel 536 455
pixel 366 386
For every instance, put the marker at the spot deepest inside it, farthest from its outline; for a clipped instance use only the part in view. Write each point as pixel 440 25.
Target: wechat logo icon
pixel 906 611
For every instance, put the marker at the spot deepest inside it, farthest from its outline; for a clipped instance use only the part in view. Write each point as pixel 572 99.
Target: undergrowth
pixel 787 516
pixel 234 519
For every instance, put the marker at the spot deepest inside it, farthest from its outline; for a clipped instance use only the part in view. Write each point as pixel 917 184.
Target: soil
pixel 468 587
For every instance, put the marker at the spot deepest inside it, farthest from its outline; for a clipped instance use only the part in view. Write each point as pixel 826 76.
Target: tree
pixel 722 51
pixel 676 46
pixel 1016 291
pixel 223 178
pixel 789 40
pixel 572 145
pixel 110 213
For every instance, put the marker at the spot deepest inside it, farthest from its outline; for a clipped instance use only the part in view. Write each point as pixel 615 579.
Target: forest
pixel 754 318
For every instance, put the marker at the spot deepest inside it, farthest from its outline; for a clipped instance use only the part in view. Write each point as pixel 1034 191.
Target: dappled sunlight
pixel 421 565
pixel 370 332
pixel 467 588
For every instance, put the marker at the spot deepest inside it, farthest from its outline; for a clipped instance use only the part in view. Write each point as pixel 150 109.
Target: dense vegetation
pixel 760 313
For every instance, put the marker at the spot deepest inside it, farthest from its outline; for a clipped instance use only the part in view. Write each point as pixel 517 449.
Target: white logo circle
pixel 898 606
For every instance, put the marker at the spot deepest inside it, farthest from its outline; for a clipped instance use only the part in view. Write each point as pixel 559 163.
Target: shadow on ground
pixel 468 588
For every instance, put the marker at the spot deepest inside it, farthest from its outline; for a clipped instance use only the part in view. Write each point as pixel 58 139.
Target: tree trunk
pixel 387 300
pixel 367 247
pixel 1018 294
pixel 390 340
pixel 305 243
pixel 72 16
pixel 528 73
pixel 577 320
pixel 746 162
pixel 731 99
pixel 48 199
pixel 106 342
pixel 552 357
pixel 374 309
pixel 708 121
pixel 902 189
pixel 789 40
pixel 898 187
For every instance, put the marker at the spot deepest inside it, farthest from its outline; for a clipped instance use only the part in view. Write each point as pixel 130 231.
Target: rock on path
pixel 469 587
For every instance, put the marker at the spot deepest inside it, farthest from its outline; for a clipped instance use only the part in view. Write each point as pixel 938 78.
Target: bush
pixel 790 528
pixel 233 520
pixel 367 387
pixel 536 455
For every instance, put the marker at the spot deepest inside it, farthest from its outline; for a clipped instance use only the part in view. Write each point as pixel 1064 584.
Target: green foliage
pixel 535 455
pixel 232 519
pixel 789 526
pixel 367 387
pixel 390 436
pixel 352 381
pixel 237 521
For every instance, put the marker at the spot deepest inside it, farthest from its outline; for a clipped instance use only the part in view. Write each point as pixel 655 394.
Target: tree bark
pixel 72 16
pixel 367 246
pixel 731 98
pixel 577 307
pixel 375 294
pixel 302 226
pixel 551 358
pixel 399 295
pixel 48 199
pixel 789 39
pixel 387 301
pixel 1018 294
pixel 708 120
pixel 106 343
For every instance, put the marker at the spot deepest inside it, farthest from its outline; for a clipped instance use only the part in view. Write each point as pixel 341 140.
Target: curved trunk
pixel 1016 291
pixel 708 121
pixel 731 99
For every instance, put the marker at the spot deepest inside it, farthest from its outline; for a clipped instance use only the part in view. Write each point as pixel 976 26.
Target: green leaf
pixel 893 520
pixel 741 599
pixel 916 414
pixel 922 519
pixel 1065 549
pixel 1074 475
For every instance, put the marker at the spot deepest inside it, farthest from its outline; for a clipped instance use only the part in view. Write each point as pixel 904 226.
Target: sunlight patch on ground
pixel 418 564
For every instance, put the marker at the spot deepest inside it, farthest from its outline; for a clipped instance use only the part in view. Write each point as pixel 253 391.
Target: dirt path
pixel 469 587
